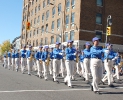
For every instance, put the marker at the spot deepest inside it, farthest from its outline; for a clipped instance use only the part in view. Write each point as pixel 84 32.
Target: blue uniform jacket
pixel 110 55
pixel 23 53
pixel 9 54
pixel 56 54
pixel 81 58
pixel 16 55
pixel 87 53
pixel 117 61
pixel 51 55
pixel 70 53
pixel 38 55
pixel 44 55
pixel 13 55
pixel 28 53
pixel 96 52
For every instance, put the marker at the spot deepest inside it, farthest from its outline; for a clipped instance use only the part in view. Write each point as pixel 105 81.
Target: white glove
pixel 28 57
pixel 45 60
pixel 119 64
pixel 107 51
pixel 74 54
pixel 39 59
pixel 113 59
pixel 60 53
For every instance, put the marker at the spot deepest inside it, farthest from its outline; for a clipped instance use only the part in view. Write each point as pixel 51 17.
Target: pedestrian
pixel 70 53
pixel 39 62
pixel 23 59
pixel 17 60
pixel 13 59
pixel 9 59
pixel 96 65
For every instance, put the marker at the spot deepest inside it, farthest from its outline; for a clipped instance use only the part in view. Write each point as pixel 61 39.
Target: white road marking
pixel 60 90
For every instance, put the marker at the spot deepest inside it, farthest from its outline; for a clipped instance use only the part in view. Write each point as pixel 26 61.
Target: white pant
pixel 56 68
pixel 30 65
pixel 108 67
pixel 35 64
pixel 45 70
pixel 77 67
pixel 39 67
pixel 70 71
pixel 5 62
pixel 51 66
pixel 9 62
pixel 116 72
pixel 96 69
pixel 82 69
pixel 23 64
pixel 17 63
pixel 86 64
pixel 62 66
pixel 13 63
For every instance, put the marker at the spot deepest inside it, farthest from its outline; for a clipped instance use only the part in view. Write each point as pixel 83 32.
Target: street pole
pixel 109 23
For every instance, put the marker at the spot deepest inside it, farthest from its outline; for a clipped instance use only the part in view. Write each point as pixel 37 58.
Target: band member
pixel 96 65
pixel 86 61
pixel 46 60
pixel 9 59
pixel 5 60
pixel 23 59
pixel 63 61
pixel 70 56
pixel 17 59
pixel 117 67
pixel 35 61
pixel 81 58
pixel 39 62
pixel 51 61
pixel 57 53
pixel 30 58
pixel 109 58
pixel 13 59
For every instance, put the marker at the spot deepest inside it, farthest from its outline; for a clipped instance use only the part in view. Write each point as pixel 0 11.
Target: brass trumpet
pixel 48 61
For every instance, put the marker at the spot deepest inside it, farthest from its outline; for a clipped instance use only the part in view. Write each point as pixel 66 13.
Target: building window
pixel 38 7
pixel 33 43
pixel 53 11
pixel 43 3
pixel 58 23
pixel 34 33
pixel 35 9
pixel 66 37
pixel 99 2
pixel 37 31
pixel 41 41
pixel 52 27
pixel 52 40
pixel 57 39
pixel 30 33
pixel 43 18
pixel 67 4
pixel 59 8
pixel 46 39
pixel 38 20
pixel 98 18
pixel 67 19
pixel 42 29
pixel 47 15
pixel 48 2
pixel 73 18
pixel 34 21
pixel 72 35
pixel 32 2
pixel 31 12
pixel 73 3
pixel 99 35
pixel 31 23
pixel 46 28
pixel 36 42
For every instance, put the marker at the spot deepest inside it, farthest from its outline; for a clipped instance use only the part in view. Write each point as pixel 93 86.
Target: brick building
pixel 78 20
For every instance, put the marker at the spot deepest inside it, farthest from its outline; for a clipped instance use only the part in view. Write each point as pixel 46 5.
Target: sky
pixel 10 19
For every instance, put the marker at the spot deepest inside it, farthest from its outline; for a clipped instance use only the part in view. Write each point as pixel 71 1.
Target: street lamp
pixel 109 23
pixel 61 22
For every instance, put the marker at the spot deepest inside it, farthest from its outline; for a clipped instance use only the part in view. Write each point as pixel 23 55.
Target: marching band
pixel 92 61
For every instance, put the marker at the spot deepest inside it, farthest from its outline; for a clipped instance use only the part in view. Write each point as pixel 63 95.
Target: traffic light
pixel 108 31
pixel 27 25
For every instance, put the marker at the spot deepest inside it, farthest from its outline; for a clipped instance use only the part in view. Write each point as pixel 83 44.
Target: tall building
pixel 78 20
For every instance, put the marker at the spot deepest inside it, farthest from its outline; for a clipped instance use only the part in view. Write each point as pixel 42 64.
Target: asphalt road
pixel 17 86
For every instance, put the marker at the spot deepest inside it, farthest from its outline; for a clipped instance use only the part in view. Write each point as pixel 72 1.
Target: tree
pixel 5 46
